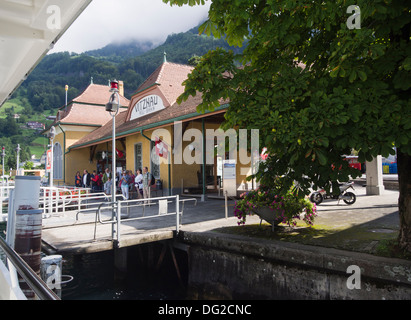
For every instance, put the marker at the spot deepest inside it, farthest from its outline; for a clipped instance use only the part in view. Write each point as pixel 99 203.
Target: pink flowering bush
pixel 289 206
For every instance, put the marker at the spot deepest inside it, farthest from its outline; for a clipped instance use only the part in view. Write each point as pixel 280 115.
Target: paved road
pixel 379 210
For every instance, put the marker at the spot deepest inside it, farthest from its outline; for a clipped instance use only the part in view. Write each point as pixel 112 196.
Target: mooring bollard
pixel 27 243
pixel 25 196
pixel 51 272
pixel 27 191
pixel 24 225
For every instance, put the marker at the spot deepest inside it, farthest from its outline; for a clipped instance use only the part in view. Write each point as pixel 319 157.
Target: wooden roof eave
pixel 55 124
pixel 152 126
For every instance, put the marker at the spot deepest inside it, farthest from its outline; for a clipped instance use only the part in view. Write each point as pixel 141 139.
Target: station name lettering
pixel 146 106
pixel 146 103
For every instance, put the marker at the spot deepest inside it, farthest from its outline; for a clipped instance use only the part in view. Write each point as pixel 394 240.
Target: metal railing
pixel 117 207
pixel 57 200
pixel 32 279
pixel 5 190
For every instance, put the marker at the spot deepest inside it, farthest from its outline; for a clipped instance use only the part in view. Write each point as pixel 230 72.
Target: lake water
pixel 95 277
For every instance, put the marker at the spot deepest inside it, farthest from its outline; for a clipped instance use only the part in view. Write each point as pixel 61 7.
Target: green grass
pixel 16 103
pixel 40 140
pixel 39 144
pixel 37 151
pixel 352 238
pixel 389 248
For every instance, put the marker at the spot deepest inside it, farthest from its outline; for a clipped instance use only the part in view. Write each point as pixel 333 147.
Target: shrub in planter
pixel 286 206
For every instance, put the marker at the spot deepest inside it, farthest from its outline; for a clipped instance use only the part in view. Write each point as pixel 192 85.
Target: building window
pixel 154 161
pixel 57 161
pixel 138 156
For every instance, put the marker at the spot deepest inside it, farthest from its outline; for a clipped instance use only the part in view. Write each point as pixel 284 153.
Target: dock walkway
pixel 66 234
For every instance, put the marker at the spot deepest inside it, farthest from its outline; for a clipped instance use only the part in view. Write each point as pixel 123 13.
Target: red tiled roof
pixel 170 77
pixel 89 107
pixel 84 114
pixel 102 133
pixel 98 94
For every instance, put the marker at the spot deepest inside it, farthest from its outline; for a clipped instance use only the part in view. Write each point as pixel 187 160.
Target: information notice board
pixel 229 177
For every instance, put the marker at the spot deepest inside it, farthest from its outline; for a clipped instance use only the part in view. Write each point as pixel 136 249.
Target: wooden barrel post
pixel 27 243
pixel 25 225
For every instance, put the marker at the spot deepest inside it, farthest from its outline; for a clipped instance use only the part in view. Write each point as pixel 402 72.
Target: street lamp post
pixel 51 135
pixel 18 149
pixel 3 155
pixel 113 106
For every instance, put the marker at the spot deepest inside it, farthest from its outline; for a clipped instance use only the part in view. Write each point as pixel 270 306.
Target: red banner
pixel 49 160
pixel 120 154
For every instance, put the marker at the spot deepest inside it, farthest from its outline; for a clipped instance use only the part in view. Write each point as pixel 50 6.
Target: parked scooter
pixel 348 197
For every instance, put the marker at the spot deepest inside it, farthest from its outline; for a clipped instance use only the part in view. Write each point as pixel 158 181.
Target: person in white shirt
pixel 86 179
pixel 138 182
pixel 107 186
pixel 146 183
pixel 106 178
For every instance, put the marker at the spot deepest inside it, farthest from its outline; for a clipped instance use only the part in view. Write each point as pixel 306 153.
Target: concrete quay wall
pixel 223 266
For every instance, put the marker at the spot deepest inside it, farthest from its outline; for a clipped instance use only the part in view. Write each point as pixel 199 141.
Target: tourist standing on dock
pixel 96 182
pixel 86 179
pixel 138 182
pixel 146 183
pixel 124 184
pixel 106 176
pixel 77 180
pixel 131 178
pixel 107 186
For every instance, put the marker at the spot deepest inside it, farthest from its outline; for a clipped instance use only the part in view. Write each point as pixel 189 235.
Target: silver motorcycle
pixel 347 196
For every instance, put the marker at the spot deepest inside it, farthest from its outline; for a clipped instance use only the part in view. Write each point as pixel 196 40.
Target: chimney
pixel 121 88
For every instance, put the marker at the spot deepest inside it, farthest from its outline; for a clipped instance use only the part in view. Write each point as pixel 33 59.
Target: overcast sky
pixel 107 21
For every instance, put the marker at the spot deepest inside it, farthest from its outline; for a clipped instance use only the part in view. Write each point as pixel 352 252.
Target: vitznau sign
pixel 147 105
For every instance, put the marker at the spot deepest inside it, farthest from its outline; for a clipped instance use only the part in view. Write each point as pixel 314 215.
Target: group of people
pixel 140 182
pixel 95 180
pixel 127 182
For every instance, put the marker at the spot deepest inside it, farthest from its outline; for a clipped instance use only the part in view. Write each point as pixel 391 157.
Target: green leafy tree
pixel 314 86
pixel 9 127
pixel 194 60
pixel 28 165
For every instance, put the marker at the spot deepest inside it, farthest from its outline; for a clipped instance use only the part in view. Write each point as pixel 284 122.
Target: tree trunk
pixel 404 200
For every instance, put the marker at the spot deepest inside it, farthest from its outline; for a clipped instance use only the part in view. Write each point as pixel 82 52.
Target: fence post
pixel 115 224
pixel 118 222
pixel 178 213
pixel 79 200
pixel 226 205
pixel 50 201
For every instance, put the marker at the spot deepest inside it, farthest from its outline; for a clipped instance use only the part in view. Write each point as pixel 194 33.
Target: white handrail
pixel 4 197
pixel 139 203
pixel 32 279
pixel 57 201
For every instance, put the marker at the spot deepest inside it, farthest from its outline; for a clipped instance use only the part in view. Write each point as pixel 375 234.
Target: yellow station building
pixel 152 130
